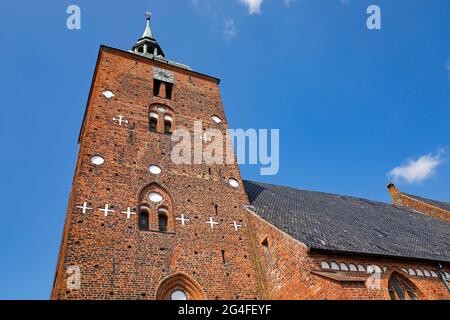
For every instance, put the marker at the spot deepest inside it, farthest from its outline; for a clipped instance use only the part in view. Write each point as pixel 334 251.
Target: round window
pixel 155 197
pixel 97 160
pixel 233 183
pixel 216 119
pixel 154 169
pixel 161 109
pixel 178 295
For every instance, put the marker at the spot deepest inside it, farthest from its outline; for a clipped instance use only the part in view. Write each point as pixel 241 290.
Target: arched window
pixel 144 222
pixel 153 122
pixel 324 265
pixel 168 124
pixel 156 209
pixel 179 287
pixel 352 267
pixel 334 266
pixel 400 288
pixel 162 219
pixel 361 268
pixel 178 294
pixel 374 269
pixel 165 115
pixel 343 267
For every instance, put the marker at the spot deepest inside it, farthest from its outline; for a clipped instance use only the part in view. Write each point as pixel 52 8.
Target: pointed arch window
pixel 156 209
pixel 400 288
pixel 179 287
pixel 153 122
pixel 168 120
pixel 162 219
pixel 178 295
pixel 144 221
pixel 161 119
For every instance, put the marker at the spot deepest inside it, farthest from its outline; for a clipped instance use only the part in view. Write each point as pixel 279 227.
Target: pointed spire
pixel 148 31
pixel 147 44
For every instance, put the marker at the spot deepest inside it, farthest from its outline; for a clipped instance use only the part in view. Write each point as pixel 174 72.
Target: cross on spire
pixel 148 31
pixel 147 44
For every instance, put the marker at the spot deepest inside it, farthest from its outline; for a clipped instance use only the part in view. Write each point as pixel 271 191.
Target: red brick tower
pixel 139 226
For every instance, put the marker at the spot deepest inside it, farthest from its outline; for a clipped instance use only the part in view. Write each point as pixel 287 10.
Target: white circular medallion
pixel 97 160
pixel 154 169
pixel 155 197
pixel 233 183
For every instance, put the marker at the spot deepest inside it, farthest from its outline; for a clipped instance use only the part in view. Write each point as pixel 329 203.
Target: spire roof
pixel 148 31
pixel 147 44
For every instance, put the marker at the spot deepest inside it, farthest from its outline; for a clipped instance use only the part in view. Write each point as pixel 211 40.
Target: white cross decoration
pixel 205 138
pixel 211 222
pixel 236 226
pixel 120 120
pixel 106 210
pixel 129 213
pixel 182 219
pixel 84 207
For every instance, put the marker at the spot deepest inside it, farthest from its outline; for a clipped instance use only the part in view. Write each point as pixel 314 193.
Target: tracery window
pixel 400 288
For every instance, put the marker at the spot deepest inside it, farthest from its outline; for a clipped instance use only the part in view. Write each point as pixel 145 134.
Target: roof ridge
pixel 321 192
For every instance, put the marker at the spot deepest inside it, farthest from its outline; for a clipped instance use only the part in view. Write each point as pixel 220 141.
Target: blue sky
pixel 351 104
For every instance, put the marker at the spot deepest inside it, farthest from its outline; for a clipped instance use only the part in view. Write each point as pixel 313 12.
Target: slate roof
pixel 352 225
pixel 439 204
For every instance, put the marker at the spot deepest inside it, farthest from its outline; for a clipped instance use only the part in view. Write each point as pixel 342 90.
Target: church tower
pixel 138 225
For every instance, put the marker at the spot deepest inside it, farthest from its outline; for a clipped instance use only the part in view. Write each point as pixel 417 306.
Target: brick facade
pixel 404 200
pixel 119 260
pixel 290 271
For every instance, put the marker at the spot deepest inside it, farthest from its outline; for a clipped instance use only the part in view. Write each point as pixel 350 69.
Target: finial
pixel 148 31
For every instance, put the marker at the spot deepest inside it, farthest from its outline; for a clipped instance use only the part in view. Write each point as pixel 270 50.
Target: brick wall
pixel 288 270
pixel 118 260
pixel 401 199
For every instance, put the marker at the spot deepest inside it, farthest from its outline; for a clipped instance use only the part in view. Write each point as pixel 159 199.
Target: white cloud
pixel 419 169
pixel 254 6
pixel 230 30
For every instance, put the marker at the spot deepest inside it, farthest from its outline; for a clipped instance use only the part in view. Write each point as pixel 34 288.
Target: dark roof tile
pixel 348 224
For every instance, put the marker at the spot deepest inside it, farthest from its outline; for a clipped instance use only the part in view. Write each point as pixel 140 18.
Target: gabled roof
pixel 439 204
pixel 332 222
